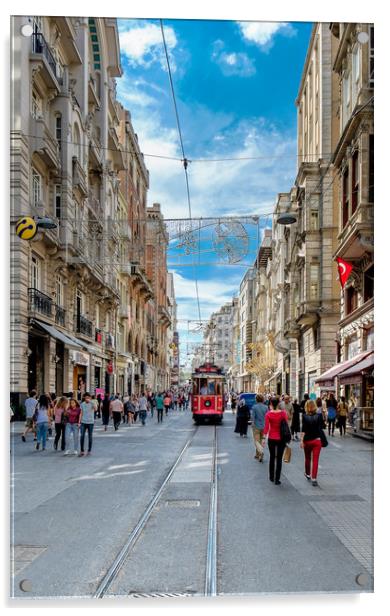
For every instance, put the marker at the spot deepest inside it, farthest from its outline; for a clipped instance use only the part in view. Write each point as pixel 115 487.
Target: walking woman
pixel 106 410
pixel 72 416
pixel 243 416
pixel 62 404
pixel 312 423
pixel 276 445
pixel 342 412
pixel 42 417
pixel 331 408
pixel 295 422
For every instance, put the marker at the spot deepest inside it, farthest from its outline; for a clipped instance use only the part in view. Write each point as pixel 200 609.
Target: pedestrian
pixel 312 424
pixel 243 416
pixel 320 408
pixel 160 407
pixel 306 398
pixel 95 404
pixel 167 402
pixel 258 412
pixel 86 423
pixel 99 401
pixel 276 444
pixel 143 407
pixel 295 422
pixel 136 407
pixel 30 404
pixel 126 408
pixel 288 407
pixel 42 418
pixel 116 410
pixel 62 404
pixel 72 417
pixel 331 412
pixel 152 402
pixel 106 410
pixel 233 402
pixel 342 412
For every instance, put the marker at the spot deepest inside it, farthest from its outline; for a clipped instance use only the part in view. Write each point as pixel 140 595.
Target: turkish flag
pixel 345 269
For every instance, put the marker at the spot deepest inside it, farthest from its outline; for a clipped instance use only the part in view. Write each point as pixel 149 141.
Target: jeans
pixel 276 449
pixel 85 427
pixel 160 415
pixel 331 423
pixel 166 410
pixel 342 422
pixel 312 451
pixel 72 428
pixel 42 433
pixel 142 415
pixel 60 434
pixel 257 436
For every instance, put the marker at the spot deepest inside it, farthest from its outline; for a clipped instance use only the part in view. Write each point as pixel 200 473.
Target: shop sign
pixel 110 367
pixel 79 358
pixel 98 361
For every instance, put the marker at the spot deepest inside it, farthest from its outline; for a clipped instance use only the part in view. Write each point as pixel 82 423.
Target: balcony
pixel 83 326
pixel 116 150
pixel 39 302
pixel 44 144
pixel 164 315
pixel 307 312
pixel 357 237
pixel 60 314
pixel 291 329
pixel 140 282
pixel 98 336
pixel 93 99
pixel 95 205
pixel 79 177
pixel 42 57
pixel 109 341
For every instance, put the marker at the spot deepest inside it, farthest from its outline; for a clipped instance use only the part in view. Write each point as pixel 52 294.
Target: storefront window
pixel 368 340
pixel 352 347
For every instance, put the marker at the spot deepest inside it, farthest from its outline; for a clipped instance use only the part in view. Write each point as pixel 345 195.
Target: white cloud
pixel 142 43
pixel 263 33
pixel 233 63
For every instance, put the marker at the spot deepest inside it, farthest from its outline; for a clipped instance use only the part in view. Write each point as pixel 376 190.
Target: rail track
pixel 210 584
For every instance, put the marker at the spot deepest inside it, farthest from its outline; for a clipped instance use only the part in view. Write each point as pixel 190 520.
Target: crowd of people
pixel 72 419
pixel 278 421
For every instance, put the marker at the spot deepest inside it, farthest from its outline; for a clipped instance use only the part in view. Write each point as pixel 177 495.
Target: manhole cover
pixel 183 504
pixel 362 579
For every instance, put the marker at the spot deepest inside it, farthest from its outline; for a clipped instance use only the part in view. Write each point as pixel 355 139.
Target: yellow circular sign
pixel 26 228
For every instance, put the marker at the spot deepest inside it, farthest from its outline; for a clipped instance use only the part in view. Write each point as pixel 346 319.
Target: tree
pixel 259 365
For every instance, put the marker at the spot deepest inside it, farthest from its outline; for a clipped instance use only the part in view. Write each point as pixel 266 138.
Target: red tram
pixel 208 393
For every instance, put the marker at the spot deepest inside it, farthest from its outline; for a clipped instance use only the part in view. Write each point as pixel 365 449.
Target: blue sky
pixel 235 85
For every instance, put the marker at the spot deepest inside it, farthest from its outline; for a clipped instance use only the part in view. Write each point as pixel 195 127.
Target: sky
pixel 235 85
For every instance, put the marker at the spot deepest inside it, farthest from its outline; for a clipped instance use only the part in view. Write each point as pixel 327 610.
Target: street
pixel 72 516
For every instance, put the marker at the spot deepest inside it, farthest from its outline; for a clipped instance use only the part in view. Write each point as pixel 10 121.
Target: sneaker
pixel 307 476
pixel 75 453
pixel 88 453
pixel 23 438
pixel 277 483
pixel 81 454
pixel 314 482
pixel 67 452
pixel 37 446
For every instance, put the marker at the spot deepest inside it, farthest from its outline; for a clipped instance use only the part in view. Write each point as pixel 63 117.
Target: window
pixel 371 170
pixel 346 98
pixel 314 220
pixel 355 73
pixel 97 315
pixel 355 181
pixel 316 337
pixel 314 280
pixel 59 291
pixel 36 105
pixel 80 303
pixel 58 130
pixel 368 283
pixel 35 272
pixel 57 200
pixel 36 188
pixel 351 300
pixel 368 339
pixel 345 197
pixel 371 57
pixel 352 347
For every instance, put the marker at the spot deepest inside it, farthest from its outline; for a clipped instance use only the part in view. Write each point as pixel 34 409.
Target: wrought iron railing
pixel 40 46
pixel 83 325
pixel 39 302
pixel 60 315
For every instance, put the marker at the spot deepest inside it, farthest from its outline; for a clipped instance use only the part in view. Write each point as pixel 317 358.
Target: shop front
pixel 81 375
pixel 328 381
pixel 358 381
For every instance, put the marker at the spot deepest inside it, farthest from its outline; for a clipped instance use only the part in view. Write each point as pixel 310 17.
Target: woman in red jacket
pixel 276 446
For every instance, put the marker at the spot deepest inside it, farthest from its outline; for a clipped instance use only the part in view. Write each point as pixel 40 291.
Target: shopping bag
pixel 287 454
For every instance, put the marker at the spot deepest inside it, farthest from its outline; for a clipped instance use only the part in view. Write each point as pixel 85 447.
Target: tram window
pixel 195 387
pixel 218 388
pixel 204 390
pixel 212 388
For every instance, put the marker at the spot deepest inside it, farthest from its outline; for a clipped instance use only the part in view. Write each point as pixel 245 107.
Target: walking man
pixel 143 407
pixel 160 407
pixel 30 404
pixel 258 411
pixel 86 423
pixel 116 408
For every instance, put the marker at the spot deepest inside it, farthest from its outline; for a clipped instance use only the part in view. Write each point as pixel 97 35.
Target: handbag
pixel 324 440
pixel 287 454
pixel 285 433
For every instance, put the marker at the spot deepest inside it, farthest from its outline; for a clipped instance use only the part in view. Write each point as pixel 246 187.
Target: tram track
pixel 210 584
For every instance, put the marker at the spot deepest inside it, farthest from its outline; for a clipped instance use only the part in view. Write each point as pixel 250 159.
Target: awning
pixel 56 333
pixel 326 379
pixel 355 373
pixel 274 376
pixel 87 347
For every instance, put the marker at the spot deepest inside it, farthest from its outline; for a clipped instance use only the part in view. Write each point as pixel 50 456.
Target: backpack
pixel 285 434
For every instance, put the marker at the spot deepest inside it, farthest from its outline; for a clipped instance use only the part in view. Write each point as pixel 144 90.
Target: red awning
pixel 365 365
pixel 327 378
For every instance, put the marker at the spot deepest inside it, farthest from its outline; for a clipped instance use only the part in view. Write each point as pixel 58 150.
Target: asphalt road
pixel 73 515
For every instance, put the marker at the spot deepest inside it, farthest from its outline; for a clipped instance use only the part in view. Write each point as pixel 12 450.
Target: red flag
pixel 344 270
